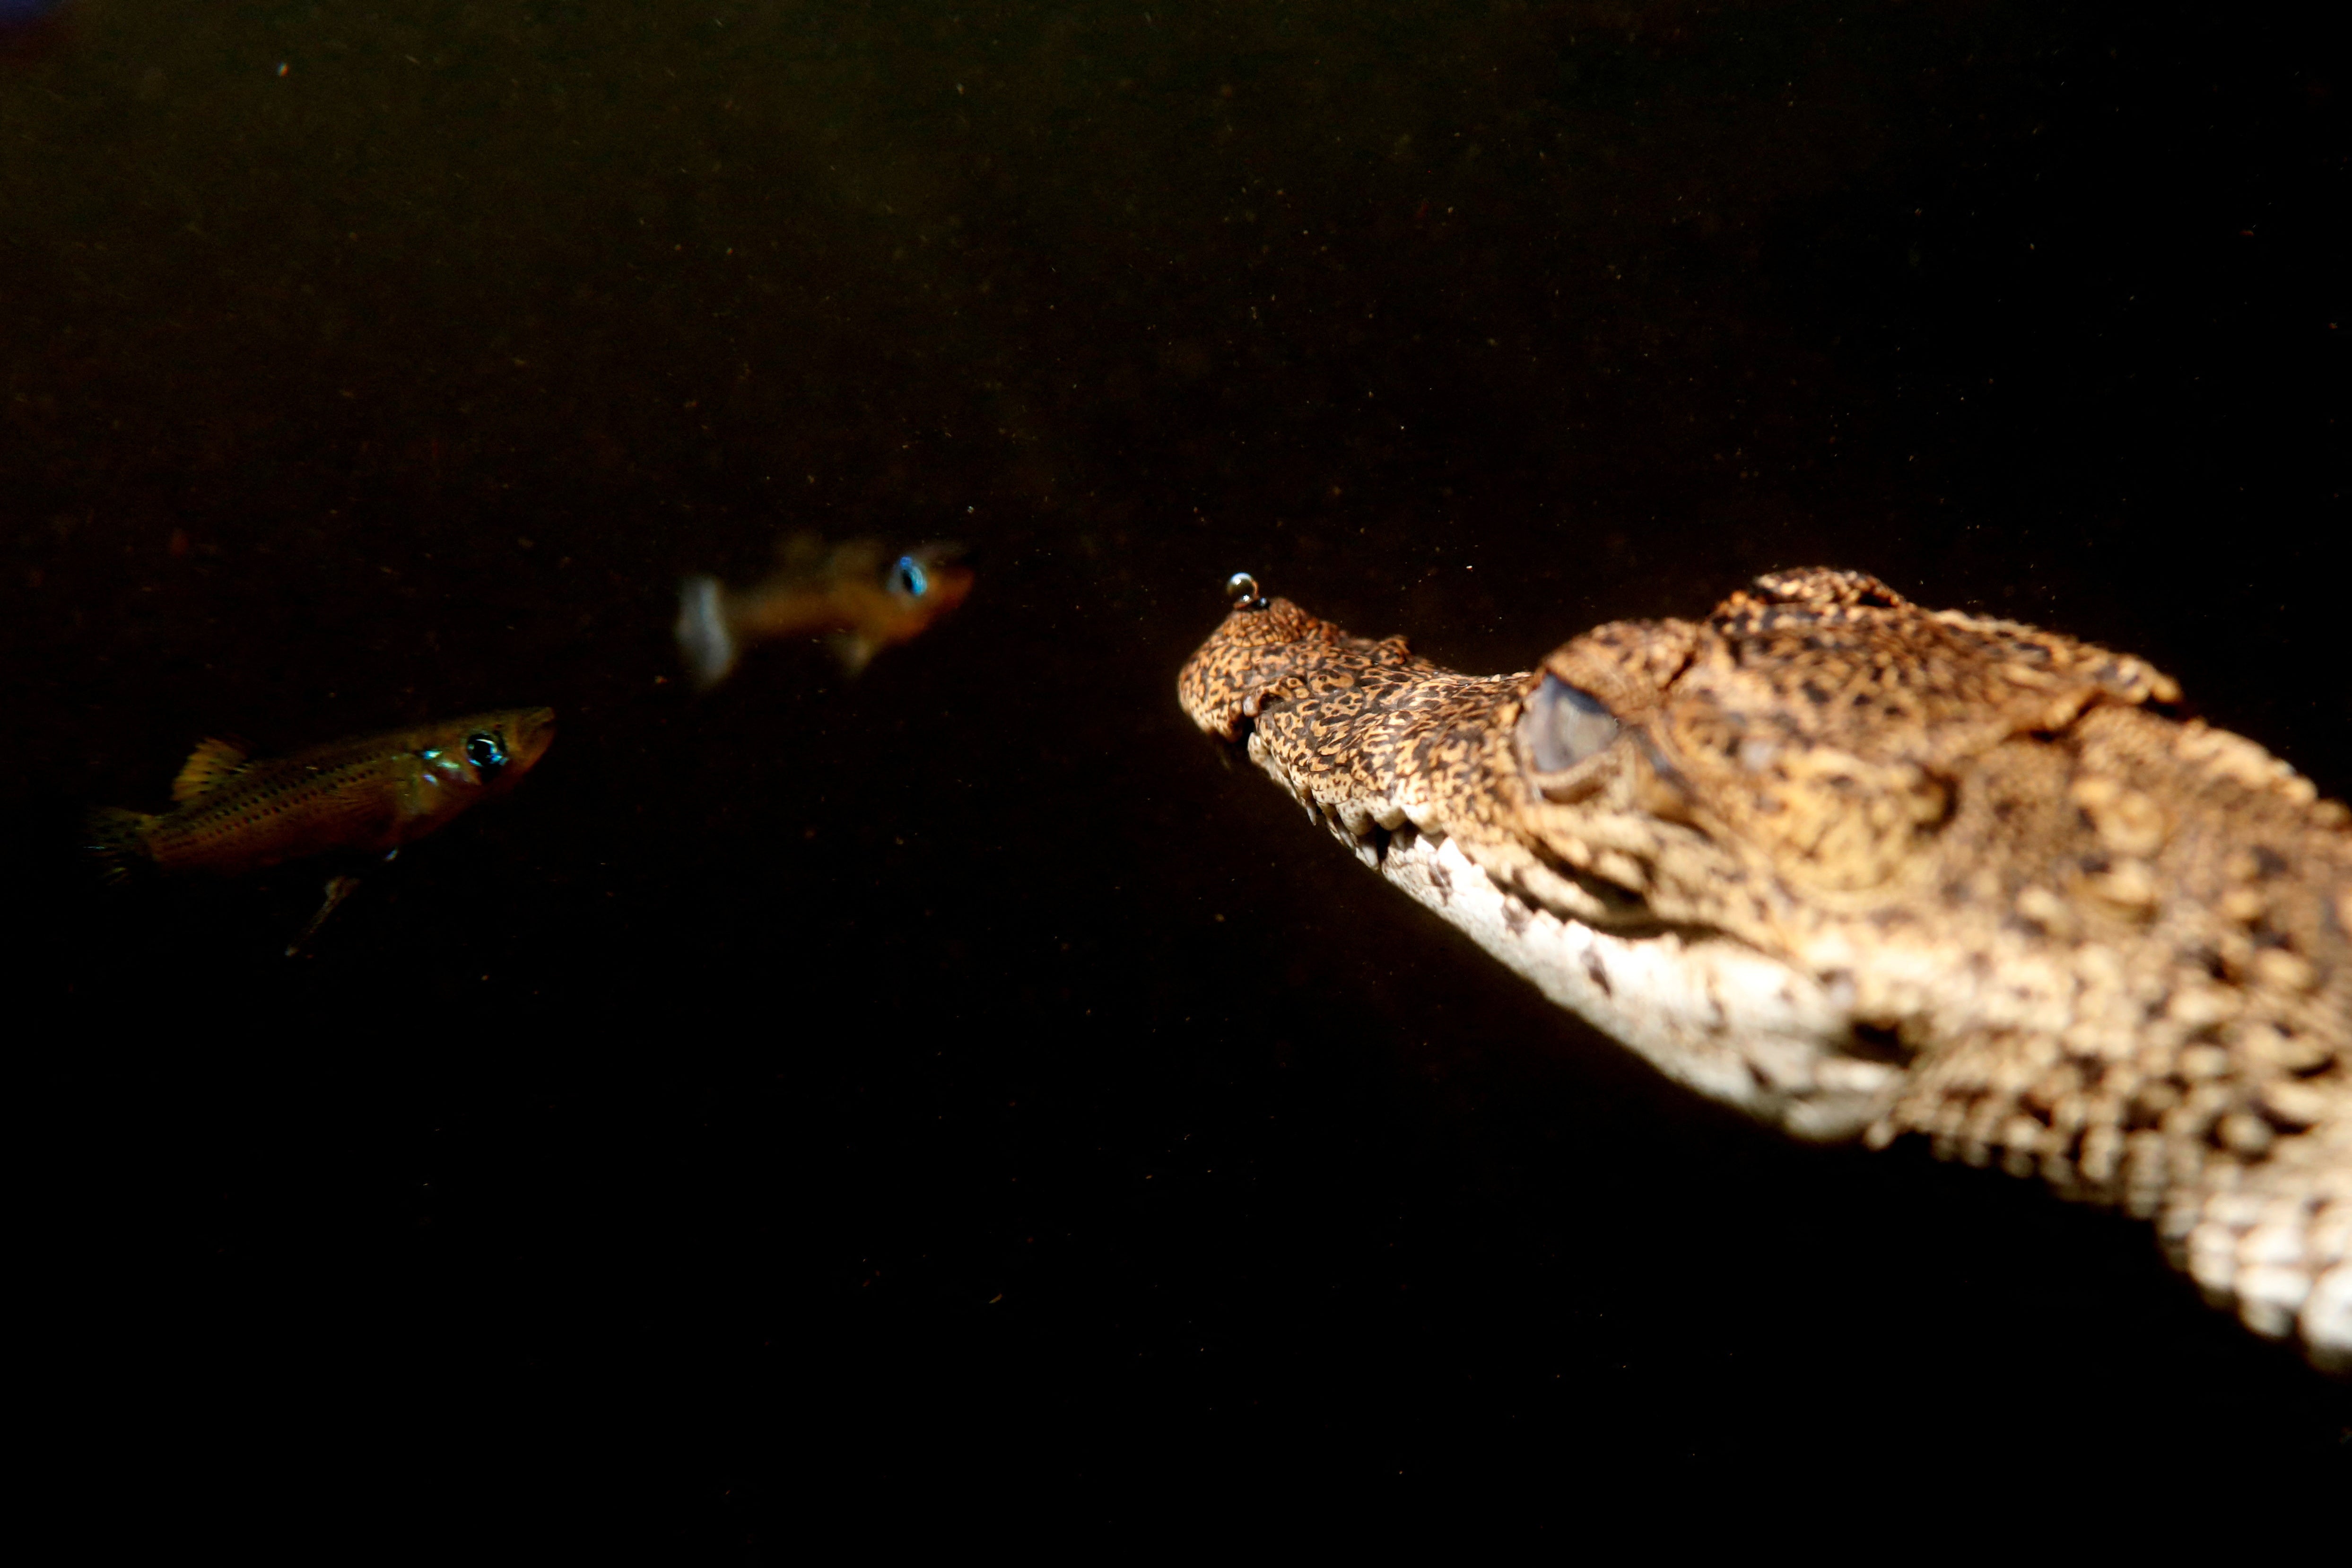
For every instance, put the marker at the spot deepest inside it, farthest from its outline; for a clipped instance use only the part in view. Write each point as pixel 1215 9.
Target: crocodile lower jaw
pixel 1708 1012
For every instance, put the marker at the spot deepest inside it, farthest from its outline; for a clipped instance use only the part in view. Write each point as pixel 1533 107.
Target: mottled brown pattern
pixel 2098 941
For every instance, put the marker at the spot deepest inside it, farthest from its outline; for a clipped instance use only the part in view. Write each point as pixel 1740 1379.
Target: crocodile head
pixel 1865 869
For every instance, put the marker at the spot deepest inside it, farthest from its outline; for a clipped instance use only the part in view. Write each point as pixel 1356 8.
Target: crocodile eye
pixel 910 578
pixel 1562 726
pixel 489 757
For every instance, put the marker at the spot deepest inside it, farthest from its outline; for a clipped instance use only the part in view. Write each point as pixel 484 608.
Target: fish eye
pixel 910 578
pixel 1563 726
pixel 489 757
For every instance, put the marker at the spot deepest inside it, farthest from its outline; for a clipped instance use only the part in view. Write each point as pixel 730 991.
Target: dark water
pixel 795 1100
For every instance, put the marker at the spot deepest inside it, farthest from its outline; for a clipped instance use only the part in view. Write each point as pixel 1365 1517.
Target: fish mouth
pixel 950 584
pixel 951 575
pixel 530 732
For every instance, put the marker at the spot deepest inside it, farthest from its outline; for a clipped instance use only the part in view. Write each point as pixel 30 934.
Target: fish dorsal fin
pixel 211 764
pixel 801 554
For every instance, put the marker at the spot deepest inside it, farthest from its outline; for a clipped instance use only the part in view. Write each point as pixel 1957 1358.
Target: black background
pixel 796 1099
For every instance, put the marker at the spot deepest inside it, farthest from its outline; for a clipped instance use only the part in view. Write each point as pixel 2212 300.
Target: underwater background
pixel 801 1097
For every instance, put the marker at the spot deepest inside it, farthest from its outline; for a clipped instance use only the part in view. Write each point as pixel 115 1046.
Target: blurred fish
pixel 864 598
pixel 232 814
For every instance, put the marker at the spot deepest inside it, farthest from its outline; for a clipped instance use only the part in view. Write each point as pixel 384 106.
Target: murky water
pixel 823 1085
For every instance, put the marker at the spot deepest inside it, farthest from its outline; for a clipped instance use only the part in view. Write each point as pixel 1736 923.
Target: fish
pixel 233 812
pixel 863 598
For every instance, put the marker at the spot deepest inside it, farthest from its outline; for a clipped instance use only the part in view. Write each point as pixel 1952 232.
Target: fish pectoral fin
pixel 338 890
pixel 211 763
pixel 855 649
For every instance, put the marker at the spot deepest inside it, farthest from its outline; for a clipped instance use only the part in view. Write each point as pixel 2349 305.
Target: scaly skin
pixel 1870 870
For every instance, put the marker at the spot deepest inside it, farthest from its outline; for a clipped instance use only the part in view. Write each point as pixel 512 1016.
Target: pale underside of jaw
pixel 1744 1028
pixel 1706 1011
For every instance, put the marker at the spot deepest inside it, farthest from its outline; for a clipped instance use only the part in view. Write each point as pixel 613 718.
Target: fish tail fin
pixel 703 639
pixel 111 836
pixel 855 649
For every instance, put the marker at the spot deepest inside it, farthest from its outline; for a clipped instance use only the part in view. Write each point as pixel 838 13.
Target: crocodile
pixel 1869 872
